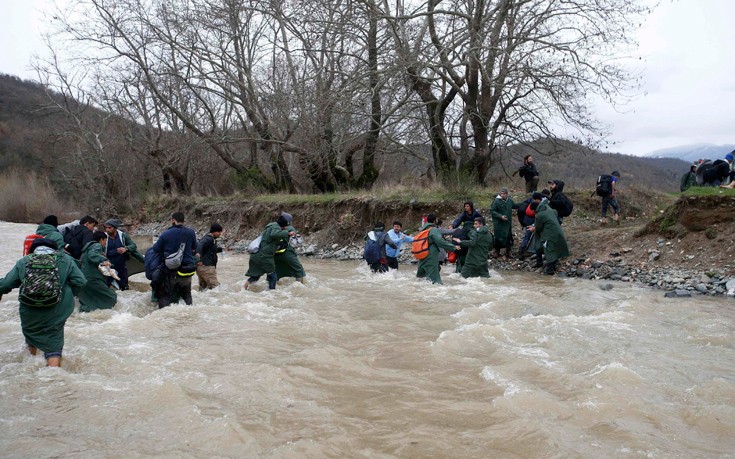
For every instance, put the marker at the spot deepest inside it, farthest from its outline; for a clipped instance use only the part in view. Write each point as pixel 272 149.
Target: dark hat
pixel 43 242
pixel 537 195
pixel 729 157
pixel 215 228
pixel 51 220
pixel 616 174
pixel 287 216
pixel 282 221
pixel 114 222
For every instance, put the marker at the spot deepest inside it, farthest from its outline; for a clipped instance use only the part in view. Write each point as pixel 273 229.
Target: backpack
pixel 28 242
pixel 372 248
pixel 604 185
pixel 41 286
pixel 521 212
pixel 566 207
pixel 420 245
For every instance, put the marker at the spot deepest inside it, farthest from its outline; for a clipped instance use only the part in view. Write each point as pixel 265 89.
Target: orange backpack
pixel 420 245
pixel 28 241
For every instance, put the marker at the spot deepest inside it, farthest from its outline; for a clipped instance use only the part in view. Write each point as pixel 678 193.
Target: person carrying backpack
pixel 426 250
pixel 606 189
pixel 375 242
pixel 175 246
pixel 286 259
pixel 79 236
pixel 48 279
pixel 263 261
pixel 559 201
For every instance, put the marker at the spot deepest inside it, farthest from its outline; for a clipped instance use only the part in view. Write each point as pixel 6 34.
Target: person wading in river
pixel 429 267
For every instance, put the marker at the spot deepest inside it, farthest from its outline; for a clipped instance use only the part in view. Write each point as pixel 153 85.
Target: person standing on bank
pixel 96 294
pixel 501 211
pixel 43 326
pixel 207 251
pixel 611 199
pixel 175 282
pixel 529 173
pixel 263 262
pixel 120 247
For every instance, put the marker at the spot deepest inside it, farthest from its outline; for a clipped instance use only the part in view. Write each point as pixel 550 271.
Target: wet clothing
pixel 530 175
pixel 392 254
pixel 96 294
pixel 465 217
pixel 76 239
pixel 52 233
pixel 502 229
pixel 43 328
pixel 479 244
pixel 383 239
pixel 549 235
pixel 429 267
pixel 207 271
pixel 175 283
pixel 286 260
pixel 119 260
pixel 262 262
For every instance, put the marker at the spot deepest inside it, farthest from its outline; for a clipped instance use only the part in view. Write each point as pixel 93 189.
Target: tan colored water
pixel 360 365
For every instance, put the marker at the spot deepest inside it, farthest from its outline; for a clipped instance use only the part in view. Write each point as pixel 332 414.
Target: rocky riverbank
pixel 672 251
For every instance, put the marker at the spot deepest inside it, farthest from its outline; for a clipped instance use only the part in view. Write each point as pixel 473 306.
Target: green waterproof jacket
pixel 262 262
pixel 287 261
pixel 43 328
pixel 96 294
pixel 131 246
pixel 502 229
pixel 549 234
pixel 429 266
pixel 480 242
pixel 52 233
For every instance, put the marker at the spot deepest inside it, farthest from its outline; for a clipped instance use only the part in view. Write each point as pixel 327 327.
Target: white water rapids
pixel 354 364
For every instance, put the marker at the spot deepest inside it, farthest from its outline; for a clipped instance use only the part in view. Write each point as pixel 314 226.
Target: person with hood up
pixel 120 247
pixel 49 230
pixel 479 244
pixel 689 179
pixel 501 211
pixel 558 200
pixel 469 214
pixel 550 240
pixel 43 327
pixel 286 259
pixel 375 242
pixel 429 267
pixel 96 294
pixel 263 262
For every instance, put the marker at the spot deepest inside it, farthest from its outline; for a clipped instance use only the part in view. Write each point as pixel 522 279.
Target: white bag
pixel 254 246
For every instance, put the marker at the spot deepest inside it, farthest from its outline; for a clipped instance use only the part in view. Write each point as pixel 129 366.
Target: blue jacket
pixel 170 240
pixel 396 238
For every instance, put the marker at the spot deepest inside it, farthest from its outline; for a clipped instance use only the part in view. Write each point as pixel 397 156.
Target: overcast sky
pixel 688 49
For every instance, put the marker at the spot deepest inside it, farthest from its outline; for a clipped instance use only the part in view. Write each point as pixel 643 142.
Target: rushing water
pixel 360 365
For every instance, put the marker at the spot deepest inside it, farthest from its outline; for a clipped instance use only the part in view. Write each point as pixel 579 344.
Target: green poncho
pixel 262 262
pixel 502 229
pixel 52 233
pixel 549 234
pixel 43 328
pixel 96 294
pixel 480 242
pixel 429 266
pixel 287 261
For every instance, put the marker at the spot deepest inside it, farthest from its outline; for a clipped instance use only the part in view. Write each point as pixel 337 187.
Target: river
pixel 354 364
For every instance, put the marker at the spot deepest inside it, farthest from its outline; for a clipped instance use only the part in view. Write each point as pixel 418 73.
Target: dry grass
pixel 28 197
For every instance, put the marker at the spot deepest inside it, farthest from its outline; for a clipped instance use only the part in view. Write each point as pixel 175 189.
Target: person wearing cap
pixel 175 283
pixel 286 260
pixel 43 327
pixel 501 212
pixel 689 179
pixel 120 247
pixel 49 230
pixel 428 267
pixel 611 200
pixel 262 262
pixel 207 251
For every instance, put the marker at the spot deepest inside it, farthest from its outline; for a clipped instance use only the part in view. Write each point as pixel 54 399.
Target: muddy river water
pixel 360 365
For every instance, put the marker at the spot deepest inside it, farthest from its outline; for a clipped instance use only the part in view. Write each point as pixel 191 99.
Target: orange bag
pixel 420 245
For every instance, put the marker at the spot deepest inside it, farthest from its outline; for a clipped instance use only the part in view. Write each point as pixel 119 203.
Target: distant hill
pixel 694 152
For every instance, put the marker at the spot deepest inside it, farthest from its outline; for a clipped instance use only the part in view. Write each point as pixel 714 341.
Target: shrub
pixel 28 197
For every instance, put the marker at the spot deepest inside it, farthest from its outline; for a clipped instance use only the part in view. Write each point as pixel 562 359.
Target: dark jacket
pixel 465 217
pixel 558 199
pixel 208 250
pixel 77 238
pixel 170 240
pixel 383 239
pixel 528 172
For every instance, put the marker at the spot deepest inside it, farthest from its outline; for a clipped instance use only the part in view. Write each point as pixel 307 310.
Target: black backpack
pixel 566 207
pixel 521 212
pixel 604 185
pixel 41 286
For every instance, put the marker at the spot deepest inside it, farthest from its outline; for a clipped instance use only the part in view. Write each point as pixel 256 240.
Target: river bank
pixel 681 246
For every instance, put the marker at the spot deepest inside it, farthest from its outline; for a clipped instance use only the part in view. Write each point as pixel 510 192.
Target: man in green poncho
pixel 43 327
pixel 475 264
pixel 286 260
pixel 550 240
pixel 49 230
pixel 501 212
pixel 96 294
pixel 262 262
pixel 429 267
